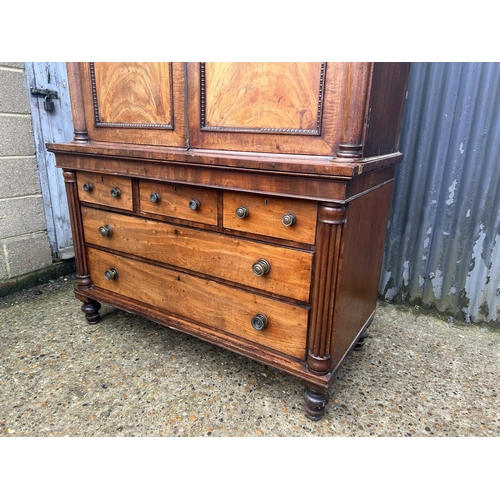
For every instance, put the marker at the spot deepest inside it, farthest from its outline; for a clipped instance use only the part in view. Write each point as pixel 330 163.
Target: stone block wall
pixel 24 245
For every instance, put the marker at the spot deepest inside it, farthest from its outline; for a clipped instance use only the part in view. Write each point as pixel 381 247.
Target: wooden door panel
pixel 263 97
pixel 135 102
pixel 132 94
pixel 265 107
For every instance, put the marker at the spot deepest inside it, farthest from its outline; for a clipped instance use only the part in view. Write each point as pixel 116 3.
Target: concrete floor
pixel 418 375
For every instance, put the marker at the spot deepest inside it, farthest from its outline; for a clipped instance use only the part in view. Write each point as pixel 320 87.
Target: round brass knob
pixel 106 231
pixel 261 267
pixel 194 204
pixel 242 212
pixel 289 219
pixel 259 321
pixel 88 187
pixel 115 192
pixel 111 274
pixel 154 197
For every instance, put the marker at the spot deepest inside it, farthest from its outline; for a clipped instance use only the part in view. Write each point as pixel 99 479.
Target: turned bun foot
pixel 361 341
pixel 315 403
pixel 91 310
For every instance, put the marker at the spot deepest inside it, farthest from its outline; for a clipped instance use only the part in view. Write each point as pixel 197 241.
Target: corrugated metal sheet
pixel 443 239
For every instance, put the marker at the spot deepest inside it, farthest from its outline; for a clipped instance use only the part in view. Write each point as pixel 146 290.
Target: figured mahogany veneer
pixel 109 190
pixel 242 203
pixel 180 201
pixel 212 254
pixel 204 301
pixel 265 214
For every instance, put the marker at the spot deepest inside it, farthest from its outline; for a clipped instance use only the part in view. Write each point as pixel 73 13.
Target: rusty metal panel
pixel 443 239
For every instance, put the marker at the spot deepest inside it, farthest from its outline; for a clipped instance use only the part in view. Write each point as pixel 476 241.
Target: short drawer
pixel 110 190
pixel 271 323
pixel 278 270
pixel 179 201
pixel 275 216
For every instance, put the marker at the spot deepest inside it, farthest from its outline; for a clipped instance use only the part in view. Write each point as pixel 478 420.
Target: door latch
pixel 48 95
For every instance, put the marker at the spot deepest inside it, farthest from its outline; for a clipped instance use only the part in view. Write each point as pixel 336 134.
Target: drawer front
pixel 288 272
pixel 204 301
pixel 109 190
pixel 179 201
pixel 276 216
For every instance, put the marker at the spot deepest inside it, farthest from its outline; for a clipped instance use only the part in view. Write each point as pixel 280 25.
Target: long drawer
pixel 271 323
pixel 226 257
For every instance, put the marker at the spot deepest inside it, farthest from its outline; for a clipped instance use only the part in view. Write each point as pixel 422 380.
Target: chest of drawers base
pixel 286 281
pixel 243 203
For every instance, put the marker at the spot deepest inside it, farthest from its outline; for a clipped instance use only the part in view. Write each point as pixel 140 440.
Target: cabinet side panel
pixel 385 110
pixel 362 258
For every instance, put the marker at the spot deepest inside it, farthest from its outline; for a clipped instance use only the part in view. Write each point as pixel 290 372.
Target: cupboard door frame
pixel 171 133
pixel 320 140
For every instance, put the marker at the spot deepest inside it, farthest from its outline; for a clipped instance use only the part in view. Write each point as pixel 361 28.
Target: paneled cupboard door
pixel 134 102
pixel 266 107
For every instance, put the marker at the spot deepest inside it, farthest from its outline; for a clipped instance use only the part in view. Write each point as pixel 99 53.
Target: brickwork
pixel 24 245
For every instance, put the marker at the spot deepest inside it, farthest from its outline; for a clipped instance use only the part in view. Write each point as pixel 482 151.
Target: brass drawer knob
pixel 111 274
pixel 242 212
pixel 154 197
pixel 289 219
pixel 194 204
pixel 115 192
pixel 261 267
pixel 259 321
pixel 88 187
pixel 106 231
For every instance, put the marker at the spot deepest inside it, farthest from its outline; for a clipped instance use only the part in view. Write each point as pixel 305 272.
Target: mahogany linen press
pixel 243 203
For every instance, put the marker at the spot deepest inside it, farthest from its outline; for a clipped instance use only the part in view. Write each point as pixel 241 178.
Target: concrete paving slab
pixel 417 375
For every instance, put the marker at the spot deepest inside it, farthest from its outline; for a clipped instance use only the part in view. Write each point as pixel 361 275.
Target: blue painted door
pixel 52 126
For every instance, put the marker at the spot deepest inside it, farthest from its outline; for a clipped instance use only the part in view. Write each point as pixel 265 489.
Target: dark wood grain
pixel 77 103
pixel 324 287
pixel 387 98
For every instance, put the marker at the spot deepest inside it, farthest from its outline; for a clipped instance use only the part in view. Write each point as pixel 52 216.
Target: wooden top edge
pixel 319 165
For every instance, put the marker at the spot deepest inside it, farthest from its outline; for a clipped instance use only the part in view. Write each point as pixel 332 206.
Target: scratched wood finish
pixel 209 253
pixel 265 216
pixel 361 266
pixel 204 301
pixel 386 112
pixel 174 201
pixel 101 187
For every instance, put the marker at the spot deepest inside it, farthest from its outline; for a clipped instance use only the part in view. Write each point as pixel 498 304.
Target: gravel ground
pixel 417 375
